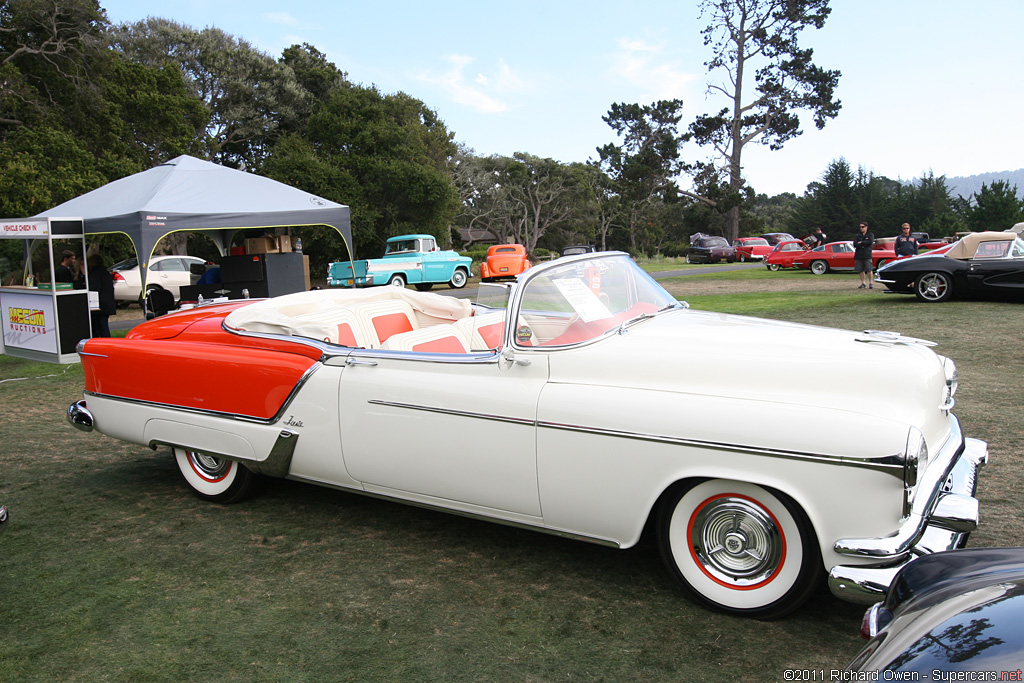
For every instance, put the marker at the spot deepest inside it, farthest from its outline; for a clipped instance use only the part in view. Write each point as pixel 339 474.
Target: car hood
pixel 804 375
pixel 976 629
pixel 916 263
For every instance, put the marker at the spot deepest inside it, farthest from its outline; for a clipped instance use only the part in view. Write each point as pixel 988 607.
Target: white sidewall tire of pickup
pixel 459 279
pixel 709 509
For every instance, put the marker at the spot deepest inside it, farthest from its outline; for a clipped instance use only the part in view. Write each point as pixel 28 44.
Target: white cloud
pixel 482 93
pixel 281 18
pixel 645 65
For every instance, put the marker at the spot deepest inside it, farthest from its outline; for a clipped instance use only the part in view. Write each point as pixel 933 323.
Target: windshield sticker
pixel 582 299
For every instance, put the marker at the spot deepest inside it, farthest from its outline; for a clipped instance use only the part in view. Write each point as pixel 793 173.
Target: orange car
pixel 504 261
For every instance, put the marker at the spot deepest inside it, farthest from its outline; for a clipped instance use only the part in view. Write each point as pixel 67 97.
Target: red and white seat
pixel 435 339
pixel 484 332
pixel 335 325
pixel 384 319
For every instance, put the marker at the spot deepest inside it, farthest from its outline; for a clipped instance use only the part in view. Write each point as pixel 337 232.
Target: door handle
pixel 359 361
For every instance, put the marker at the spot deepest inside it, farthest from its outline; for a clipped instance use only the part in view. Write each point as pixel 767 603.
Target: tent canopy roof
pixel 190 194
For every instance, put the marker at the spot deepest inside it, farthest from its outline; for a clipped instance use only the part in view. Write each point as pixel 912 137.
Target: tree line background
pixel 84 102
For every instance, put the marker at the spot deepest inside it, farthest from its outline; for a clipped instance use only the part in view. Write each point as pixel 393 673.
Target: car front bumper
pixel 944 522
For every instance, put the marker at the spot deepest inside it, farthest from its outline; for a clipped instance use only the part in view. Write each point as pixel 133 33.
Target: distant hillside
pixel 965 186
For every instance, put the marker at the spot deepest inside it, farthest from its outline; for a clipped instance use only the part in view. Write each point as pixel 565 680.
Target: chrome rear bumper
pixel 79 416
pixel 946 526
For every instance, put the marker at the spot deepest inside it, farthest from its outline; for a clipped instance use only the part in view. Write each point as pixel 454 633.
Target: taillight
pixel 118 277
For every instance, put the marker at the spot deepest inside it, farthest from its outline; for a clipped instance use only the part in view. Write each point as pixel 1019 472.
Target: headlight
pixel 915 454
pixel 952 376
pixel 952 382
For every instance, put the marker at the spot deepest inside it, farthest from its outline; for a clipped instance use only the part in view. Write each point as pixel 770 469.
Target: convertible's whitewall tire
pixel 739 548
pixel 772 266
pixel 215 479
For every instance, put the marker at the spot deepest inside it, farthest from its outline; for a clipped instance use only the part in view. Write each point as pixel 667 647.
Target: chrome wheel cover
pixel 932 286
pixel 207 466
pixel 736 541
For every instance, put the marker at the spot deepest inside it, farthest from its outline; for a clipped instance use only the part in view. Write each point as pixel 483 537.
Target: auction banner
pixel 29 321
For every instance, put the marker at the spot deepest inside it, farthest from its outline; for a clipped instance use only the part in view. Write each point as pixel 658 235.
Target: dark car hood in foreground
pixel 954 611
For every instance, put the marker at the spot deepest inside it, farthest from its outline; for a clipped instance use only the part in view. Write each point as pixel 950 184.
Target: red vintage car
pixel 783 254
pixel 751 248
pixel 839 256
pixel 504 261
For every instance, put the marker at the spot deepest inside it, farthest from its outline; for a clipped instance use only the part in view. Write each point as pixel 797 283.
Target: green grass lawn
pixel 113 571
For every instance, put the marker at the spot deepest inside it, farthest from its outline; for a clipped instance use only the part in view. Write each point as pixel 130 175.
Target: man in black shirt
pixel 862 246
pixel 65 270
pixel 906 244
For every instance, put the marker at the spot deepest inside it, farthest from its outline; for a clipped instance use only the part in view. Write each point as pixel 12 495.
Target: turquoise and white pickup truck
pixel 408 259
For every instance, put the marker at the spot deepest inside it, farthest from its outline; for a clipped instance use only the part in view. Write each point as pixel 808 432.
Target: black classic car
pixel 574 249
pixel 960 610
pixel 981 264
pixel 709 249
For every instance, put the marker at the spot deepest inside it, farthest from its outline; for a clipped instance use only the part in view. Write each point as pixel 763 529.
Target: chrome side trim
pixel 276 464
pixel 457 413
pixel 892 464
pixel 575 536
pixel 216 413
pixel 366 356
pixel 80 417
pixel 81 344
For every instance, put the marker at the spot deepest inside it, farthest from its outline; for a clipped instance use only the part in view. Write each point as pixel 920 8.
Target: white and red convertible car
pixel 586 420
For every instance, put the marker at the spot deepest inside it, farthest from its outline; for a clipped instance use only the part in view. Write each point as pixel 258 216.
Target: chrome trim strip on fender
pixel 457 413
pixel 892 464
pixel 364 356
pixel 80 352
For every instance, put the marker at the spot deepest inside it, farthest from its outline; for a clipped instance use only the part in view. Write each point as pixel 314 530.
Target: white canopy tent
pixel 188 194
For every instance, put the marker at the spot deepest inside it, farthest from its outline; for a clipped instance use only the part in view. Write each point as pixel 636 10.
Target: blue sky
pixel 927 85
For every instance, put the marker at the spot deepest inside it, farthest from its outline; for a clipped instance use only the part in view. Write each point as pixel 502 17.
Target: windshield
pixel 583 300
